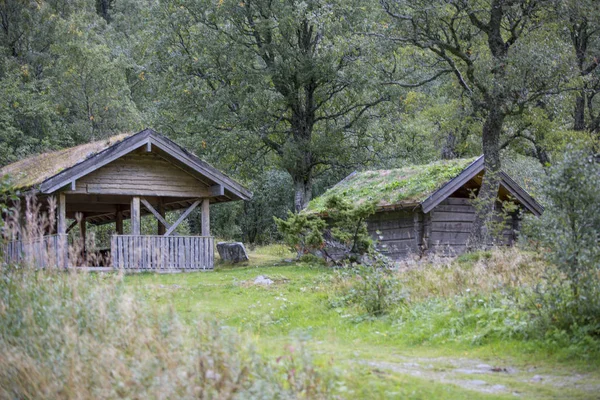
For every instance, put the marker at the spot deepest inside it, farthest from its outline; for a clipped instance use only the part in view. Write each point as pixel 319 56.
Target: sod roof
pixel 34 170
pixel 393 187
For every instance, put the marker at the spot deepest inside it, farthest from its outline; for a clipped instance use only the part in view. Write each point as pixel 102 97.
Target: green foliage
pixel 375 289
pixel 570 227
pixel 341 225
pixel 276 82
pixel 252 221
pixel 302 232
pixel 501 220
pixel 559 306
pixel 569 232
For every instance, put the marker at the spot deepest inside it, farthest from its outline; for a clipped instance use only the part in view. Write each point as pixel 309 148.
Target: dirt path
pixel 478 376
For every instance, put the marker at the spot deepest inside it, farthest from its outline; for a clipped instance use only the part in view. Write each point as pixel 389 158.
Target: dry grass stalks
pixel 479 272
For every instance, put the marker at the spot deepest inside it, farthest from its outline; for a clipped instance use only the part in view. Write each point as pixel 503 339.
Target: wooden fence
pixel 42 252
pixel 133 252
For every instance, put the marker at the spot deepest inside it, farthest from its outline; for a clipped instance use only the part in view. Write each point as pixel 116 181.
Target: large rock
pixel 232 252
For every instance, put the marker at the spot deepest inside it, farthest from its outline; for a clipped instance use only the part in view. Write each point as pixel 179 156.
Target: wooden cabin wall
pixel 143 174
pixel 397 234
pixel 443 231
pixel 451 223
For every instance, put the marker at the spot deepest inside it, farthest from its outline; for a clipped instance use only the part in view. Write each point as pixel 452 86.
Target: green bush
pixel 569 232
pixel 339 233
pixel 375 289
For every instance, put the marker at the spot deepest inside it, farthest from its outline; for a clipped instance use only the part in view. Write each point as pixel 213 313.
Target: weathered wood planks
pixel 142 174
pixel 159 253
pixel 44 252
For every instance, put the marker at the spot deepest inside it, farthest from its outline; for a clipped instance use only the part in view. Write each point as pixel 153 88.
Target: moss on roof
pixel 34 170
pixel 391 187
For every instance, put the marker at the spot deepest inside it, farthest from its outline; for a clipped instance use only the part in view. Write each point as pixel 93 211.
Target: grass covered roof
pixel 394 187
pixel 34 170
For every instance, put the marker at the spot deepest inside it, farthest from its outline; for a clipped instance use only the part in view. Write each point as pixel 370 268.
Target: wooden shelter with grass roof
pixel 122 178
pixel 428 209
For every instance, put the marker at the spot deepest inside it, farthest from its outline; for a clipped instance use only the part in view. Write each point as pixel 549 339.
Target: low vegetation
pixel 367 324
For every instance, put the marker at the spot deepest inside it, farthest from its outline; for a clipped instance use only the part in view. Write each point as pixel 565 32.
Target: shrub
pixel 374 288
pixel 570 232
pixel 571 223
pixel 339 233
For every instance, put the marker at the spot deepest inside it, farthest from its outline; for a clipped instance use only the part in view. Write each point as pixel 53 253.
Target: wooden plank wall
pixel 143 174
pixel 132 252
pixel 443 231
pixel 451 223
pixel 396 233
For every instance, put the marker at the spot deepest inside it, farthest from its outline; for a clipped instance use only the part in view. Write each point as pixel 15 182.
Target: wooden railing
pixel 42 252
pixel 133 252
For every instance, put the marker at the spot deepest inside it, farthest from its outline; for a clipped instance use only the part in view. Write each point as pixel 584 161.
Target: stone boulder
pixel 232 252
pixel 263 280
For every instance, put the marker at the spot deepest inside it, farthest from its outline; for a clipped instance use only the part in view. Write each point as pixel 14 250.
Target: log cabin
pixel 427 209
pixel 113 180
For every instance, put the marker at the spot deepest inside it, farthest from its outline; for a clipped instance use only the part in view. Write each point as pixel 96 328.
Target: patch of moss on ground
pixel 407 185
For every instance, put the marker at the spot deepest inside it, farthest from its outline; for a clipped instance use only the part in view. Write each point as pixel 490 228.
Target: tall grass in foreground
pixel 77 335
pixel 478 298
pixel 66 334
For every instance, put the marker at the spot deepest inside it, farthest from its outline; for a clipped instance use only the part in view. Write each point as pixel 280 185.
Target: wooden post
pixel 135 216
pixel 206 217
pixel 80 217
pixel 160 227
pixel 61 226
pixel 119 221
pixel 82 228
pixel 61 230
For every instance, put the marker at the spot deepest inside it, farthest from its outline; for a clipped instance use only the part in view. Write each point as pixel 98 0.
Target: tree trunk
pixel 579 113
pixel 449 147
pixel 485 204
pixel 303 192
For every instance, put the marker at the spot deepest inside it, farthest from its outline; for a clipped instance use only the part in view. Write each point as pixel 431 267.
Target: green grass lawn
pixel 375 357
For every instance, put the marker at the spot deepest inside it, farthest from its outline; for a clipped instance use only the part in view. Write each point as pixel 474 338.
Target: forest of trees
pixel 290 96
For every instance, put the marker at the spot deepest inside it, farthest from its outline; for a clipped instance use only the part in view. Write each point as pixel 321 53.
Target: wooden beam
pixel 158 216
pixel 453 185
pixel 182 217
pixel 148 147
pixel 91 207
pixel 61 214
pixel 102 189
pixel 160 227
pixel 216 190
pixel 206 217
pixel 73 185
pixel 82 230
pixel 71 226
pixel 135 216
